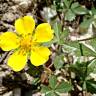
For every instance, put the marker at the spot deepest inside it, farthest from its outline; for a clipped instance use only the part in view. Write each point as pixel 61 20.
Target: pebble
pixel 8 94
pixel 28 77
pixel 20 1
pixel 23 4
pixel 9 17
pixel 17 92
pixel 48 13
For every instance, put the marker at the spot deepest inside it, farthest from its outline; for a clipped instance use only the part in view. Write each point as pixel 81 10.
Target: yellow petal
pixel 43 33
pixel 17 60
pixel 9 41
pixel 39 55
pixel 25 25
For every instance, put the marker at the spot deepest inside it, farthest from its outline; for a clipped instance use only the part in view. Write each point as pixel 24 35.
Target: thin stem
pixel 81 50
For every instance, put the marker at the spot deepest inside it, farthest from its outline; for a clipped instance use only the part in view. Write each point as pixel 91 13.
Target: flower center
pixel 26 43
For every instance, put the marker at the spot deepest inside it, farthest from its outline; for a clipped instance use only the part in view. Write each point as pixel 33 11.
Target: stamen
pixel 26 43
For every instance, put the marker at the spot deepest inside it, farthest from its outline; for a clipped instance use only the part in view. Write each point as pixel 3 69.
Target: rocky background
pixel 26 82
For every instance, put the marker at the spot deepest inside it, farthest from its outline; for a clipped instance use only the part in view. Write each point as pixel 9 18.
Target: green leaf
pixel 93 11
pixel 92 67
pixel 58 62
pixel 86 50
pixel 91 86
pixel 75 47
pixel 63 87
pixel 68 49
pixel 79 68
pixel 74 5
pixel 51 94
pixel 80 10
pixel 57 30
pixel 69 15
pixel 48 44
pixel 86 23
pixel 92 42
pixel 67 3
pixel 45 89
pixel 84 85
pixel 52 81
pixel 64 35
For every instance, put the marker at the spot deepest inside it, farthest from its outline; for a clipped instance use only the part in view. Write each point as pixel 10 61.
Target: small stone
pixel 3 7
pixel 0 81
pixel 9 94
pixel 9 17
pixel 48 13
pixel 23 3
pixel 17 1
pixel 17 92
pixel 28 77
pixel 37 94
pixel 2 74
pixel 2 89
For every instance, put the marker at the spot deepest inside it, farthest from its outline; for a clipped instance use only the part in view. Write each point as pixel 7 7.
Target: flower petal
pixel 17 60
pixel 39 55
pixel 9 41
pixel 25 25
pixel 43 33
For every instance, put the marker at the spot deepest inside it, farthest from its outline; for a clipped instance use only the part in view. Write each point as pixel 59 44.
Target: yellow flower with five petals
pixel 27 42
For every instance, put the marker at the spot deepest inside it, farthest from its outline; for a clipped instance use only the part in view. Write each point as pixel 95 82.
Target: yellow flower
pixel 27 42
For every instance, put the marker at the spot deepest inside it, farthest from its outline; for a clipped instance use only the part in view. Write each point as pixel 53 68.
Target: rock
pixel 20 1
pixel 28 77
pixel 17 92
pixel 3 7
pixel 48 13
pixel 38 94
pixel 23 4
pixel 2 89
pixel 8 94
pixel 0 81
pixel 9 17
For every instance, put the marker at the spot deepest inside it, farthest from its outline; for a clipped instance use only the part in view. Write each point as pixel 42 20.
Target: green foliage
pixel 92 67
pixel 75 59
pixel 54 88
pixel 70 9
pixel 70 16
pixel 81 49
pixel 63 87
pixel 78 9
pixel 91 86
pixel 76 68
pixel 58 61
pixel 87 68
pixel 60 36
pixel 52 81
pixel 86 23
pixel 57 30
pixel 76 47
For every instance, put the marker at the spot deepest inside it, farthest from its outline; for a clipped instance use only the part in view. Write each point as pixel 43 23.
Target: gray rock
pixel 17 92
pixel 23 4
pixel 9 17
pixel 8 94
